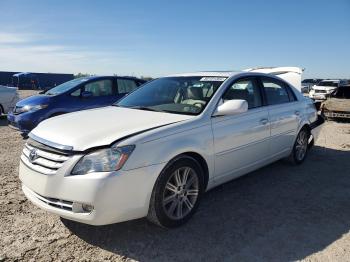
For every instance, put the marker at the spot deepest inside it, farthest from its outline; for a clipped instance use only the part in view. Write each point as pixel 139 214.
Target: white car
pixel 156 151
pixel 8 98
pixel 323 89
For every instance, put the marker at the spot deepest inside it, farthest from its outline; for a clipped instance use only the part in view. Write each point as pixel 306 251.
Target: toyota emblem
pixel 33 155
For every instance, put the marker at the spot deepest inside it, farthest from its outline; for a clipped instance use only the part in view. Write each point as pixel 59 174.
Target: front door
pixel 241 141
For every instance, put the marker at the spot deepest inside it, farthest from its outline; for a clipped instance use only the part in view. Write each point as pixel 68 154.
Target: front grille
pixel 42 161
pixel 320 91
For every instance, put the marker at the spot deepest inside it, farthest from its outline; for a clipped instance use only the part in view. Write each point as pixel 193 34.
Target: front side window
pixel 65 87
pixel 76 92
pixel 126 86
pixel 276 91
pixel 245 89
pixel 100 88
pixel 180 95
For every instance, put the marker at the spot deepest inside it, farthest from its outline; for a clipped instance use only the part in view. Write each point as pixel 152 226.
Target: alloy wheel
pixel 180 193
pixel 301 145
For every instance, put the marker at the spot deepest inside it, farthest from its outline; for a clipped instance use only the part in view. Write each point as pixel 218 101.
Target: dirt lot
pixel 278 213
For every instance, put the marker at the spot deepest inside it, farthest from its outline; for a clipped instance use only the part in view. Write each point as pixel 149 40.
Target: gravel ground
pixel 278 213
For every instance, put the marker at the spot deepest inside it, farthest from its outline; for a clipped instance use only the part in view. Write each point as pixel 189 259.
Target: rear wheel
pixel 177 193
pixel 300 148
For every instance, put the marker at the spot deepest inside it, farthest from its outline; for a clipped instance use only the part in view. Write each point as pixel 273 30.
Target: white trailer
pixel 290 74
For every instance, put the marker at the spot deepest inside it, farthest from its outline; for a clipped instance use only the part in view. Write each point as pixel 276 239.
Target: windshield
pixel 328 83
pixel 180 95
pixel 65 86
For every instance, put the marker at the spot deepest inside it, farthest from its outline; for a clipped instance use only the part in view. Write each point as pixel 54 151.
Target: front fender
pixel 197 140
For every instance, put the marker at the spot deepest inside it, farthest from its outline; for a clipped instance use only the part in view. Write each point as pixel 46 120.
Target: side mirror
pixel 232 107
pixel 86 94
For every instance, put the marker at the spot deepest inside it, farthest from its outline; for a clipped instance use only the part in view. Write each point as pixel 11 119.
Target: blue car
pixel 78 94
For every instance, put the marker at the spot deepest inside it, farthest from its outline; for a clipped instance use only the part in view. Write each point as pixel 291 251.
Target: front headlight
pixel 103 160
pixel 30 108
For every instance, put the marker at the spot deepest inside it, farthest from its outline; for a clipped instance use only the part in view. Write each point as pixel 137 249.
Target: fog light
pixel 87 207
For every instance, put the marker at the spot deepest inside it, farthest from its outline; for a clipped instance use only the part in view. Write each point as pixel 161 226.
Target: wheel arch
pixel 198 158
pixel 308 128
pixel 56 114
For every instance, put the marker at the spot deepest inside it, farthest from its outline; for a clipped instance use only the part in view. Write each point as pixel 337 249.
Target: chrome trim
pixel 53 202
pixel 49 143
pixel 37 168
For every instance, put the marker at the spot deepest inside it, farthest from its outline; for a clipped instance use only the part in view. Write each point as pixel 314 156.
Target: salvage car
pixel 306 84
pixel 8 98
pixel 155 152
pixel 77 94
pixel 338 104
pixel 323 89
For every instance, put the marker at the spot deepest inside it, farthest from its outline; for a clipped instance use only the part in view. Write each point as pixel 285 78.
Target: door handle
pixel 264 121
pixel 297 113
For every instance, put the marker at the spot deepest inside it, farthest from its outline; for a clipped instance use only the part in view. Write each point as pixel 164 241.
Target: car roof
pixel 104 76
pixel 209 73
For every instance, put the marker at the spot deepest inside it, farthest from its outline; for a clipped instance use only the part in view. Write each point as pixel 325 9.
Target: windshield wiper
pixel 145 108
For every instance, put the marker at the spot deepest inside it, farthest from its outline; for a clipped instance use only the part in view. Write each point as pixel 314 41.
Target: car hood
pixel 34 100
pixel 99 127
pixel 337 104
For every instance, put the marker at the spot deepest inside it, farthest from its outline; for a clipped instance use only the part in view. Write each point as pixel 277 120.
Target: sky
pixel 155 38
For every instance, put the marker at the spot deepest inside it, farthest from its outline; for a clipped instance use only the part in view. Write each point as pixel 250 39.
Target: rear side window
pixel 126 86
pixel 276 92
pixel 100 88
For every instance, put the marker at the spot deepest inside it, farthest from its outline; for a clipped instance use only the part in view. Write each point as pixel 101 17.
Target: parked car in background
pixel 324 88
pixel 8 99
pixel 338 104
pixel 306 84
pixel 78 94
pixel 156 151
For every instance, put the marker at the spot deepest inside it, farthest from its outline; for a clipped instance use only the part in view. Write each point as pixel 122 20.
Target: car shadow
pixel 278 213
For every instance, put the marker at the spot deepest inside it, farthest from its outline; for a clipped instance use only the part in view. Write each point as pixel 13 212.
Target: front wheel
pixel 300 148
pixel 177 193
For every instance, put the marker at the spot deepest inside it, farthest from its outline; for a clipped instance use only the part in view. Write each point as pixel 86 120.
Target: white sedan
pixel 8 98
pixel 156 151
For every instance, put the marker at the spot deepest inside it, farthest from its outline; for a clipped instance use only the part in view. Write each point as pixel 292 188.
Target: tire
pixel 176 196
pixel 300 148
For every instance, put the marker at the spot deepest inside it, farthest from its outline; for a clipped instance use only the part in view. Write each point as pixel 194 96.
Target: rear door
pixel 284 114
pixel 241 141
